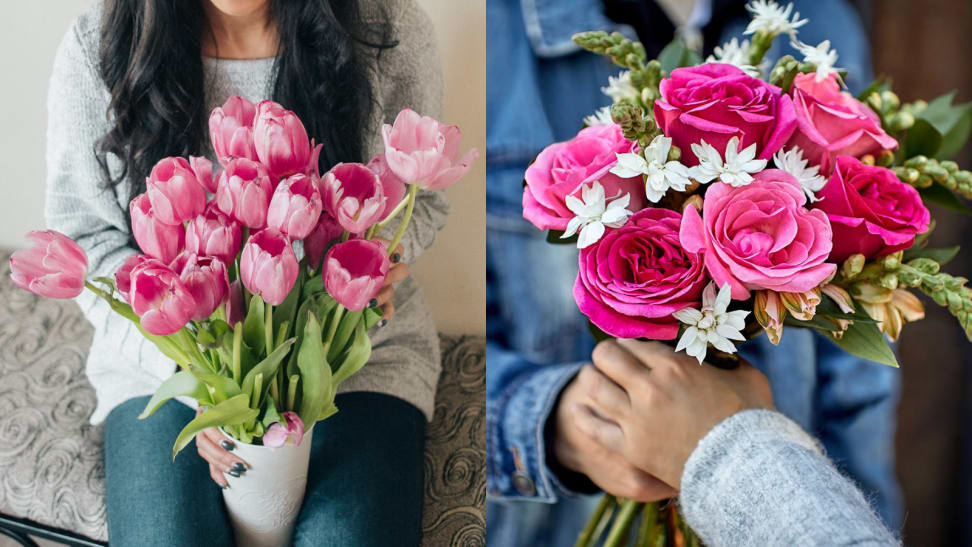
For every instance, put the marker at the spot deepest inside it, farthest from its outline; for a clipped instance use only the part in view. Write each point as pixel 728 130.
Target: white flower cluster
pixel 713 324
pixel 820 55
pixel 594 214
pixel 660 174
pixel 793 163
pixel 768 17
pixel 601 116
pixel 620 87
pixel 735 170
pixel 734 53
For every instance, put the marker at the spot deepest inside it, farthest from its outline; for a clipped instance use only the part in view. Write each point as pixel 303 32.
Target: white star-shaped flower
pixel 734 171
pixel 713 324
pixel 620 87
pixel 793 163
pixel 734 53
pixel 772 19
pixel 594 214
pixel 660 174
pixel 602 116
pixel 820 55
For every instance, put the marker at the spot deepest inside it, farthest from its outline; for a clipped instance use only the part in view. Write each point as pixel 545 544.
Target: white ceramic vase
pixel 263 503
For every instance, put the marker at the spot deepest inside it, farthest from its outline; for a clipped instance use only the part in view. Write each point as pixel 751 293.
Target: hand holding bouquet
pixel 715 201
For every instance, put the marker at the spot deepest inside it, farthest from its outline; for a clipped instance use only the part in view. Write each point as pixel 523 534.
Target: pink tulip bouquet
pixel 715 201
pixel 263 338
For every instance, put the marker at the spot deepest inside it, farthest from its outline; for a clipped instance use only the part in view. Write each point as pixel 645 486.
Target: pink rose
pixel 54 266
pixel 871 211
pixel 717 102
pixel 562 168
pixel 831 122
pixel 231 130
pixel 760 236
pixel 633 279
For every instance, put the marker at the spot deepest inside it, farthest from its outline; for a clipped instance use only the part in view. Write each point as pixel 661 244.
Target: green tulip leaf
pixel 232 411
pixel 267 367
pixel 354 358
pixel 315 373
pixel 180 384
pixel 254 327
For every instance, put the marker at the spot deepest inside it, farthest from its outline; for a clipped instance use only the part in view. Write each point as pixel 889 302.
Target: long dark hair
pixel 152 66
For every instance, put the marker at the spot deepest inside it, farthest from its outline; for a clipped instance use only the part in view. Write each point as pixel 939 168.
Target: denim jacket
pixel 539 87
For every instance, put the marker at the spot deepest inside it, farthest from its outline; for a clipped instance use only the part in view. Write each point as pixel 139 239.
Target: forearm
pixel 758 479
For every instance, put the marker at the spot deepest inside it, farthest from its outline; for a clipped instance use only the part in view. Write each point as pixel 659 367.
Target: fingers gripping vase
pixel 264 502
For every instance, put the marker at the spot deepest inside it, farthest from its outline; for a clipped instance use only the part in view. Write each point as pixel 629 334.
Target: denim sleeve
pixel 857 400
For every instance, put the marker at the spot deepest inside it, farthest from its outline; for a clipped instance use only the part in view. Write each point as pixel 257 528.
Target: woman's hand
pixel 215 448
pixel 653 406
pixel 398 272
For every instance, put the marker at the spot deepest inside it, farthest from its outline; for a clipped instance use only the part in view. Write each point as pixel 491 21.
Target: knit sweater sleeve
pixel 758 479
pixel 410 75
pixel 78 203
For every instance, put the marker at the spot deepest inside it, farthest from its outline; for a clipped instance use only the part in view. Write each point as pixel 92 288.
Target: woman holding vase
pixel 134 81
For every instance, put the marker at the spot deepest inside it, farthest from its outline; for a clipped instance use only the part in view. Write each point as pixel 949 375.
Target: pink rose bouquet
pixel 716 201
pixel 262 335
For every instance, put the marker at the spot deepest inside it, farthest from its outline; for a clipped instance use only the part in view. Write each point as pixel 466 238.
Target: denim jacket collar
pixel 550 24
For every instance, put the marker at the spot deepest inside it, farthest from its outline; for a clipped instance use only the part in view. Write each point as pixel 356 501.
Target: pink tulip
pixel 160 298
pixel 354 196
pixel 156 238
pixel 54 266
pixel 206 279
pixel 281 141
pixel 268 266
pixel 174 191
pixel 231 130
pixel 354 271
pixel 278 434
pixel 203 169
pixel 235 303
pixel 214 234
pixel 326 232
pixel 243 192
pixel 391 185
pixel 422 151
pixel 295 206
pixel 123 277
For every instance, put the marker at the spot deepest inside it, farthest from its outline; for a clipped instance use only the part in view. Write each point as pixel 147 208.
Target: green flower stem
pixel 292 391
pixel 268 328
pixel 619 531
pixel 649 519
pixel 391 216
pixel 412 194
pixel 345 236
pixel 332 328
pixel 257 388
pixel 604 510
pixel 757 50
pixel 237 348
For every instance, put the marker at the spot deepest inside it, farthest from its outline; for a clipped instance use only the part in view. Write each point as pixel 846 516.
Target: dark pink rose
pixel 716 102
pixel 633 279
pixel 760 236
pixel 832 123
pixel 561 169
pixel 871 211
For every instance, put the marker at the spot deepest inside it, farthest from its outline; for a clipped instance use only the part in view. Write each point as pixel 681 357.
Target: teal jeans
pixel 364 487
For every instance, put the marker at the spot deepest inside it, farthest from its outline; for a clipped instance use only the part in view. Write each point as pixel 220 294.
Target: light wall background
pixel 452 273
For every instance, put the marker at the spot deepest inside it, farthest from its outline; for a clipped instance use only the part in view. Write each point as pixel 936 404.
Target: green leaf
pixel 329 410
pixel 818 322
pixel 271 416
pixel 372 316
pixel 829 308
pixel 180 384
pixel 942 256
pixel 314 286
pixel 354 358
pixel 553 236
pixel 315 372
pixel 230 412
pixel 267 367
pixel 220 387
pixel 922 139
pixel 952 122
pixel 253 326
pixel 677 54
pixel 866 341
pixel 345 329
pixel 943 197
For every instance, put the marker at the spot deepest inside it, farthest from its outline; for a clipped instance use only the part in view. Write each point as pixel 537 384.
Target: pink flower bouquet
pixel 715 201
pixel 263 337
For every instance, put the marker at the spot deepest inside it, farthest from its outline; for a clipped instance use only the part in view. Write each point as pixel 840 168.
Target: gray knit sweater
pixel 758 479
pixel 121 364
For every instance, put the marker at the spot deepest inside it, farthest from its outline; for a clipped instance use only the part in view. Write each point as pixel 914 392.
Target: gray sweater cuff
pixel 758 479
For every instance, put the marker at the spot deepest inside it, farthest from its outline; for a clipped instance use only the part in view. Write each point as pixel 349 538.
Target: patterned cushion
pixel 51 468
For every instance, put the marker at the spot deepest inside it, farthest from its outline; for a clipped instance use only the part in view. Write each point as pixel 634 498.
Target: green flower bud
pixel 891 100
pixel 901 121
pixel 853 266
pixel 925 265
pixel 918 162
pixel 888 281
pixel 949 166
pixel 885 158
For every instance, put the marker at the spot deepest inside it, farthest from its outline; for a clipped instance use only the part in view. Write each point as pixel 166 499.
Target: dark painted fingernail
pixel 382 323
pixel 233 473
pixel 396 258
pixel 239 467
pixel 373 303
pixel 227 445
